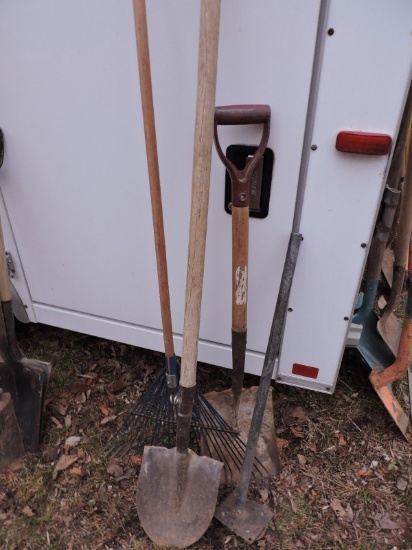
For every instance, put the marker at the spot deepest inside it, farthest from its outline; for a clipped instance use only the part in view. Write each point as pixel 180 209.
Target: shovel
pixel 247 518
pixel 371 346
pixel 24 379
pixel 177 490
pixel 383 378
pixel 236 404
pixel 11 444
pixel 395 179
pixel 388 325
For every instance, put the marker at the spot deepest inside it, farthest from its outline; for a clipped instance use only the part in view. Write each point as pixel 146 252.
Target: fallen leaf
pixel 401 483
pixel 105 410
pixel 293 504
pixel 27 511
pixel 136 459
pixel 68 421
pixel 296 433
pixel 342 513
pixel 76 471
pixel 119 385
pixel 114 469
pixel 78 387
pixel 73 440
pixel 89 375
pixel 364 473
pixel 56 422
pixel 385 523
pixel 51 452
pixel 302 460
pixel 107 419
pixel 298 412
pixel 64 462
pixel 59 407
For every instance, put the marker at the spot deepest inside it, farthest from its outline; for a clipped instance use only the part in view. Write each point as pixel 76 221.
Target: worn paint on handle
pixel 241 285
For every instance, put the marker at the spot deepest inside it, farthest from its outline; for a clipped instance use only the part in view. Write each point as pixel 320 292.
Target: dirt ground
pixel 346 480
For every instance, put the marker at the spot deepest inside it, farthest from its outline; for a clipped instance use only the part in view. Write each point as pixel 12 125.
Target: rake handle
pixel 142 42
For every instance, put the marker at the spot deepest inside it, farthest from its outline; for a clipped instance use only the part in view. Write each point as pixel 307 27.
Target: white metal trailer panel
pixel 74 181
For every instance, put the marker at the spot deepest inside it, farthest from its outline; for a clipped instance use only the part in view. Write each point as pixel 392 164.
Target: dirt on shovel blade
pixel 266 448
pixel 176 495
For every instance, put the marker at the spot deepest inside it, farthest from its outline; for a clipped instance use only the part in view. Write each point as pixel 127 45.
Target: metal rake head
pixel 152 422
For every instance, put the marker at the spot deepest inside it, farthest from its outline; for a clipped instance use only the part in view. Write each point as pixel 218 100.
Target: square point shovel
pixel 236 404
pixel 177 489
pixel 23 378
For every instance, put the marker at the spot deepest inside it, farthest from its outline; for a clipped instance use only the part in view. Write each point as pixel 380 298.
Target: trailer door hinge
pixel 10 265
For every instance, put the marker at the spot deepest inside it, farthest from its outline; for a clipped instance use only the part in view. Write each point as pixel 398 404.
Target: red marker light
pixel 363 143
pixel 305 370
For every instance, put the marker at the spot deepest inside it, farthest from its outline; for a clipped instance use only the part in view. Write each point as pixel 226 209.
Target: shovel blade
pixel 239 418
pixel 390 330
pixel 248 521
pixel 26 380
pixel 176 495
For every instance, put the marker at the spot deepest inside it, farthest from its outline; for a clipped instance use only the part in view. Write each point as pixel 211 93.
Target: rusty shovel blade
pixel 248 521
pixel 176 495
pixel 239 416
pixel 25 379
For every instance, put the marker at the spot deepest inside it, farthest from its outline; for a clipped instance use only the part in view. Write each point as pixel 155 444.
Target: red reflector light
pixel 363 143
pixel 305 370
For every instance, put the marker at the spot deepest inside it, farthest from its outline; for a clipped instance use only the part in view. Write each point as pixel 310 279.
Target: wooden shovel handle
pixel 143 56
pixel 240 245
pixel 206 90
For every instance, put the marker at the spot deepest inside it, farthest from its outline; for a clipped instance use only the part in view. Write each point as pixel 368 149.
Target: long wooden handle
pixel 205 104
pixel 153 169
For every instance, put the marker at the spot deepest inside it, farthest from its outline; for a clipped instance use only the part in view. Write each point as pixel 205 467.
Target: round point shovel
pixel 177 490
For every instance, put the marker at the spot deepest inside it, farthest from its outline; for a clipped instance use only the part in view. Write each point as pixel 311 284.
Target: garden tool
pixel 371 346
pixel 383 378
pixel 177 489
pixel 24 379
pixel 247 518
pixel 11 443
pixel 388 325
pixel 236 404
pixel 152 421
pixel 395 180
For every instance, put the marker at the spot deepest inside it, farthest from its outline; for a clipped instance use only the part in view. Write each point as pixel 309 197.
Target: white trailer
pixel 74 186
